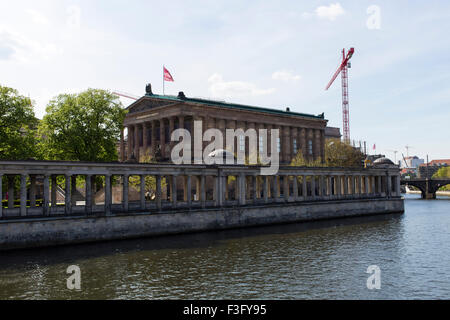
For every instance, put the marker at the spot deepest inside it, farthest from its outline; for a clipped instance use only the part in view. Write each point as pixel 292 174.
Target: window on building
pixel 279 145
pixel 261 144
pixel 242 143
pixel 310 147
pixel 295 146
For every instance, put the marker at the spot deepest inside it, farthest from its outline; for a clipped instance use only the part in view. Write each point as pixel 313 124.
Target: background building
pixel 432 167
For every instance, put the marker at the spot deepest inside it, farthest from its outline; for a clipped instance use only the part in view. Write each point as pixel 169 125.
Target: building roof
pixel 441 162
pixel 182 98
pixel 332 132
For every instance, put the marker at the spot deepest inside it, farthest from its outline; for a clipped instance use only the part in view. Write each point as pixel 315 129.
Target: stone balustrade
pixel 32 188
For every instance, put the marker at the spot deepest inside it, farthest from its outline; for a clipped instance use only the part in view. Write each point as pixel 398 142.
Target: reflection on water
pixel 300 261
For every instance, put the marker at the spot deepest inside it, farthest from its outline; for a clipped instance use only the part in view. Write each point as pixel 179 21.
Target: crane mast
pixel 343 70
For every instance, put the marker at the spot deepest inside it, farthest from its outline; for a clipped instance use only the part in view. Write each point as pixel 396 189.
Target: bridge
pixel 428 187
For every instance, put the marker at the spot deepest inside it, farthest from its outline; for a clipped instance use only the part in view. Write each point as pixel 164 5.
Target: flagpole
pixel 163 83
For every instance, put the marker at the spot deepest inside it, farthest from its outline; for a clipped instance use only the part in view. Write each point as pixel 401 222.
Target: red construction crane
pixel 343 70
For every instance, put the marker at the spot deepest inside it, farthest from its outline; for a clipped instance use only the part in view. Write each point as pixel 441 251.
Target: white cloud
pixel 220 88
pixel 15 45
pixel 285 76
pixel 37 17
pixel 330 12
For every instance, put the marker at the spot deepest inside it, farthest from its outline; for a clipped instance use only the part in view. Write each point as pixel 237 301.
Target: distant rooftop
pixel 182 98
pixel 441 162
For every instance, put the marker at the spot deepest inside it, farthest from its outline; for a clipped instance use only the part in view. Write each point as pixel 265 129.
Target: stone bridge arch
pixel 428 187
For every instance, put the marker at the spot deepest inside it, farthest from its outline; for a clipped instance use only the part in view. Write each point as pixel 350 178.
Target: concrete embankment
pixel 38 232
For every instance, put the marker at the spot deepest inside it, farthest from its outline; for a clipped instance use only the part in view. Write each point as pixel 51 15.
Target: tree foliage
pixel 341 154
pixel 337 154
pixel 82 127
pixel 17 126
pixel 442 173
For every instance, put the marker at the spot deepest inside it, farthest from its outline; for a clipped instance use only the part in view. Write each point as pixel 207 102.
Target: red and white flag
pixel 167 75
pixel 374 147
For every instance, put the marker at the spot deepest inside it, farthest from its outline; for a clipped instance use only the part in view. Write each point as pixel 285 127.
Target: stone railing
pixel 32 188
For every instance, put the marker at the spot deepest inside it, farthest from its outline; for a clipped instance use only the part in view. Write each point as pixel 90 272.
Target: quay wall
pixel 50 231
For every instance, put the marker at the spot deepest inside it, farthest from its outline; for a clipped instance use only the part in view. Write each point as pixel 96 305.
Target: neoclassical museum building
pixel 151 120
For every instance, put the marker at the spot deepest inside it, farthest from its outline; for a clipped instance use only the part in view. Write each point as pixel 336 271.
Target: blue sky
pixel 269 53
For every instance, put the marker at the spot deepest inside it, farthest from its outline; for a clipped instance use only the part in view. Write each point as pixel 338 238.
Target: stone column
pixel 108 194
pixel 153 139
pixel 313 187
pixel 255 188
pixel 242 191
pixel 173 190
pixel 125 187
pixel 366 185
pixel 310 137
pixel 158 193
pixel 23 195
pixel 1 196
pixel 130 142
pixel 136 142
pixel 295 188
pixel 372 180
pixel 162 137
pixel 189 190
pixel 316 144
pixel 379 180
pixel 277 186
pixel 322 145
pixel 266 189
pixel 271 188
pixel 10 192
pixel 285 188
pixel 197 188
pixel 389 185
pixel 397 186
pixel 338 186
pixel 122 145
pixel 45 204
pixel 359 185
pixel 293 136
pixel 32 191
pixel 142 191
pixel 88 197
pixel 73 189
pixel 203 190
pixel 303 144
pixel 352 185
pixel 304 188
pixel 54 188
pixel 269 139
pixel 287 144
pixel 345 185
pixel 218 191
pixel 221 125
pixel 145 138
pixel 171 129
pixel 68 197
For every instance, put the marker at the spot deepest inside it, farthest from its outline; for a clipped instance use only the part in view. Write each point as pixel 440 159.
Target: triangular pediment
pixel 148 104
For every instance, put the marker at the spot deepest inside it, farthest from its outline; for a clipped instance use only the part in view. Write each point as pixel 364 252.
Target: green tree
pixel 82 127
pixel 17 126
pixel 341 154
pixel 337 154
pixel 443 173
pixel 300 161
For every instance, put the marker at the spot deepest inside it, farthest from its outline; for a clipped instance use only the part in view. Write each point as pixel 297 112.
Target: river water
pixel 320 260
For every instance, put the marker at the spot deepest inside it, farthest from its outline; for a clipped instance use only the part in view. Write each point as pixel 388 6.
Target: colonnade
pixel 149 136
pixel 171 187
